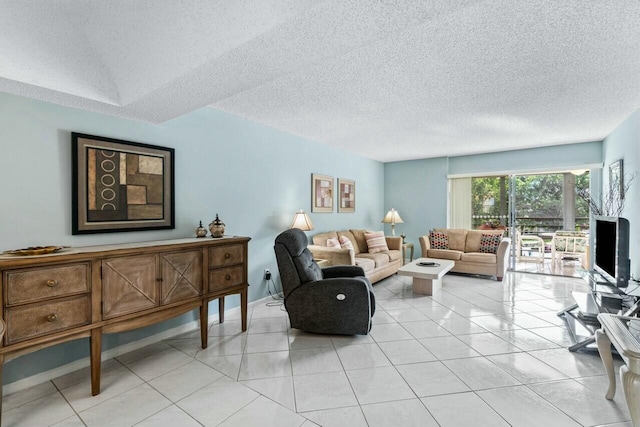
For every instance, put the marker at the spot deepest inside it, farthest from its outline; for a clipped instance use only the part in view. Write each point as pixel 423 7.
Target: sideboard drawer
pixel 226 255
pixel 34 320
pixel 223 278
pixel 43 283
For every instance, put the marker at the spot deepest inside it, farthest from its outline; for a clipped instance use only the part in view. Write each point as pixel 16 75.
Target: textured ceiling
pixel 389 80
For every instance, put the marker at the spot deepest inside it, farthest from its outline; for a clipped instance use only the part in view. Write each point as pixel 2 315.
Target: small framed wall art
pixel 616 179
pixel 321 193
pixel 121 185
pixel 346 195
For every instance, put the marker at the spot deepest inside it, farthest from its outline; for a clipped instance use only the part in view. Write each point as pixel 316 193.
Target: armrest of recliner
pixel 335 256
pixel 342 271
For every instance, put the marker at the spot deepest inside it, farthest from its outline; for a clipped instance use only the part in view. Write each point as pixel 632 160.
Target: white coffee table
pixel 426 279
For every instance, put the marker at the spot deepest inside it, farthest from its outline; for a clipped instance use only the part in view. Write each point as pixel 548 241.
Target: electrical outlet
pixel 267 274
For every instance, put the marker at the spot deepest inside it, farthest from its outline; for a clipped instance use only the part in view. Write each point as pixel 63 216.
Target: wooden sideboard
pixel 90 291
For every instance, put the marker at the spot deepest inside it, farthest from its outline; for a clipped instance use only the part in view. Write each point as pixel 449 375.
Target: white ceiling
pixel 389 80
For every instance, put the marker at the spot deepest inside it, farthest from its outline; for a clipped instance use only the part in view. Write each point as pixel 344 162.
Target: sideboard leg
pixel 204 323
pixel 96 353
pixel 221 309
pixel 1 366
pixel 243 308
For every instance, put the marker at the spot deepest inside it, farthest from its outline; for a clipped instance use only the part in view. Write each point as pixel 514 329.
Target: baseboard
pixel 45 376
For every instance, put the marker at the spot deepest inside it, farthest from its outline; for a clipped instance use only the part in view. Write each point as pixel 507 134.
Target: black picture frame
pixel 121 185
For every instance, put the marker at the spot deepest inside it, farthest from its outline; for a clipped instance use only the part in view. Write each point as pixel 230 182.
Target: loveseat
pixel 464 248
pixel 376 266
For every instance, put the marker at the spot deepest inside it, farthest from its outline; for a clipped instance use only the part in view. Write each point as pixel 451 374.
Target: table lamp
pixel 302 221
pixel 392 217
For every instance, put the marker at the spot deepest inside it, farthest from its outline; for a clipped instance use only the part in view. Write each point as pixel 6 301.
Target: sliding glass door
pixel 531 208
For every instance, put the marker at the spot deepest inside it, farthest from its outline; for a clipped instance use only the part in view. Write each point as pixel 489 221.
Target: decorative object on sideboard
pixel 216 227
pixel 321 193
pixel 201 231
pixel 392 217
pixel 121 185
pixel 346 195
pixel 35 250
pixel 302 221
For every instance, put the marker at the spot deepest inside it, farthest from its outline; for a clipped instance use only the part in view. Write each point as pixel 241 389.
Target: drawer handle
pixel 227 255
pixel 51 283
pixel 52 317
pixel 227 277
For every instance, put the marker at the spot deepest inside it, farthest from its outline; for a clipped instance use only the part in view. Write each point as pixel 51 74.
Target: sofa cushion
pixel 376 242
pixel 333 243
pixel 479 258
pixel 444 254
pixel 381 259
pixel 366 264
pixel 345 243
pixel 457 238
pixel 354 242
pixel 320 239
pixel 359 240
pixel 489 243
pixel 394 254
pixel 474 237
pixel 438 240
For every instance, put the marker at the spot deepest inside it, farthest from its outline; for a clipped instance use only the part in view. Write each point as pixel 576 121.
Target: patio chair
pixel 569 244
pixel 532 245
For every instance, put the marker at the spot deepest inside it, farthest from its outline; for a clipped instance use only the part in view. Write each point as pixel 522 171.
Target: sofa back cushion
pixel 457 238
pixel 359 241
pixel 320 239
pixel 474 238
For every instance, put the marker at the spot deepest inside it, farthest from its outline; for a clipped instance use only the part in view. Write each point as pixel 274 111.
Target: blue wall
pixel 624 143
pixel 254 176
pixel 418 189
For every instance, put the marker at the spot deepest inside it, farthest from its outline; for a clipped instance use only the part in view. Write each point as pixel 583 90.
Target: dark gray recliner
pixel 333 300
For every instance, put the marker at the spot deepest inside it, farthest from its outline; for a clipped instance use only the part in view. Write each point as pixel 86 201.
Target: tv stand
pixel 582 317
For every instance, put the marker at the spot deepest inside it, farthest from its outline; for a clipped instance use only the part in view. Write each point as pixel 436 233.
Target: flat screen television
pixel 612 250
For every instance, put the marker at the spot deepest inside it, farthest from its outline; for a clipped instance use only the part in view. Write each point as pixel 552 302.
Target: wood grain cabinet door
pixel 181 276
pixel 129 284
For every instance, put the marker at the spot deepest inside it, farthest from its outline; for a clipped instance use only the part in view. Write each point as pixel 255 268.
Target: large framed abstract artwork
pixel 321 193
pixel 347 195
pixel 121 185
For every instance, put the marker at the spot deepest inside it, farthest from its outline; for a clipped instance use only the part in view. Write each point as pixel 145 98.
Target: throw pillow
pixel 346 243
pixel 489 243
pixel 376 242
pixel 333 243
pixel 438 240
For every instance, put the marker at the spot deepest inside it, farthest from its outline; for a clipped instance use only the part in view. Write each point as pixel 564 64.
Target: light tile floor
pixel 477 353
pixel 565 267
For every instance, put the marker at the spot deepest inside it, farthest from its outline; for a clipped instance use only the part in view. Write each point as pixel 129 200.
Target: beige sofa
pixel 464 249
pixel 376 266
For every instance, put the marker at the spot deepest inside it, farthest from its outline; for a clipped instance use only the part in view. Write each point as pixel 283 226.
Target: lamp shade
pixel 392 217
pixel 302 221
